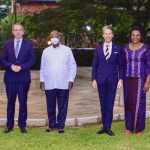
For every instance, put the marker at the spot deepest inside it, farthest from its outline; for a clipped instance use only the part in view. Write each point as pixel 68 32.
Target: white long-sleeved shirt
pixel 58 67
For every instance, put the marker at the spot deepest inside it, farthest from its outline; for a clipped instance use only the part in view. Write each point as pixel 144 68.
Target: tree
pixel 4 8
pixel 96 15
pixel 73 16
pixel 71 19
pixel 138 9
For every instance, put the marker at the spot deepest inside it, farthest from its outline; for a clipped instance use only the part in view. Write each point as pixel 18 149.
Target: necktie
pixel 107 52
pixel 17 49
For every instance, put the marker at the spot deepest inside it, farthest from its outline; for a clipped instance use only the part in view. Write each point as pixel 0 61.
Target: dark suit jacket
pixel 26 59
pixel 110 69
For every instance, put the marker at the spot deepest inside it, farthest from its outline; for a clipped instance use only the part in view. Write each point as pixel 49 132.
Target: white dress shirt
pixel 58 67
pixel 109 48
pixel 15 43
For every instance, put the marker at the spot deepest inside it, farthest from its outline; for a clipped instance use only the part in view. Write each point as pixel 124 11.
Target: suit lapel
pixel 112 52
pixel 101 52
pixel 12 48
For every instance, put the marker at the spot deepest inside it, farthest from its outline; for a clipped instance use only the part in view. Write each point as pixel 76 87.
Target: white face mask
pixel 55 41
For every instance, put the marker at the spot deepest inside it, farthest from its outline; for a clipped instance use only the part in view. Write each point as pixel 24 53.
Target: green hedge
pixel 83 57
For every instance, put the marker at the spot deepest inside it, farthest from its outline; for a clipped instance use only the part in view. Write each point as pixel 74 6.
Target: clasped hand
pixel 15 68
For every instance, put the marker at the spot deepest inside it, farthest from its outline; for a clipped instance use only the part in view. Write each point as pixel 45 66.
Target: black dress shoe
pixel 23 130
pixel 110 132
pixel 60 131
pixel 49 130
pixel 7 130
pixel 101 131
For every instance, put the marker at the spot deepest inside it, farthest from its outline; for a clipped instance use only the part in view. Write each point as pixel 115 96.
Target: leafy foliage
pixel 72 17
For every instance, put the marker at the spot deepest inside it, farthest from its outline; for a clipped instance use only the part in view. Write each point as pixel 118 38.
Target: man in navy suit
pixel 107 72
pixel 17 58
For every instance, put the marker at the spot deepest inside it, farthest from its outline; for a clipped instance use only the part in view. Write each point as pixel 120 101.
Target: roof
pixel 36 1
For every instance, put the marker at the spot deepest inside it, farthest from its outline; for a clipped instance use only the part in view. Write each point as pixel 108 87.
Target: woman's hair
pixel 136 28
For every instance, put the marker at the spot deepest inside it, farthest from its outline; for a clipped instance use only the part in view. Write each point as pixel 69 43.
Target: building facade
pixel 33 6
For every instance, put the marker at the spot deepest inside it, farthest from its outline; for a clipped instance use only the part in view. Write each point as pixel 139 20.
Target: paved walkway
pixel 83 102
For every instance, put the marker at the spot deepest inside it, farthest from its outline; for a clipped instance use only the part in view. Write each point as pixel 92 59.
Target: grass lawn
pixel 82 138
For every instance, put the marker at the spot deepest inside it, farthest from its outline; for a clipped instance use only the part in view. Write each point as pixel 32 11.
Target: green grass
pixel 82 138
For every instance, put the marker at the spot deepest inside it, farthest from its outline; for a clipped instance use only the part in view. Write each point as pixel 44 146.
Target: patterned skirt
pixel 135 104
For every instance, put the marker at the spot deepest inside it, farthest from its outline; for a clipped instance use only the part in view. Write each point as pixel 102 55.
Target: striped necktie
pixel 17 48
pixel 107 52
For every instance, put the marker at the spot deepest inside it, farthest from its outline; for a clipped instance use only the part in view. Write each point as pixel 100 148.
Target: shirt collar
pixel 106 44
pixel 18 39
pixel 57 46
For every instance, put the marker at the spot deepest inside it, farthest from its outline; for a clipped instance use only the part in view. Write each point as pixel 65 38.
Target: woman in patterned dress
pixel 136 81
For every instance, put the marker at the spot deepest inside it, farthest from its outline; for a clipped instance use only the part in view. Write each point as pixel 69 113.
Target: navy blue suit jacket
pixel 25 59
pixel 110 69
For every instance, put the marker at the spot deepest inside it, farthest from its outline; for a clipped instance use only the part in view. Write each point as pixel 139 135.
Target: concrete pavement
pixel 83 102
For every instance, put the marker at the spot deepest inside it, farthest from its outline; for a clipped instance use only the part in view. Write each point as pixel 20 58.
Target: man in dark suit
pixel 17 58
pixel 107 68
